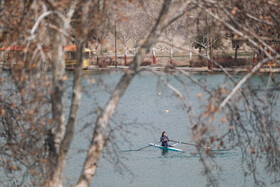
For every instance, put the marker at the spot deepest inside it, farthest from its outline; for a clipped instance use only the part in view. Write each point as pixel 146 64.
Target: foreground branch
pixel 101 124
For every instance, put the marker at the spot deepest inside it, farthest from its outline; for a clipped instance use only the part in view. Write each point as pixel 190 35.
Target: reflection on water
pixel 164 152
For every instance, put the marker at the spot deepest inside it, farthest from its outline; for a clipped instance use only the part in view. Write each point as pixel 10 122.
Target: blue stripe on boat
pixel 166 148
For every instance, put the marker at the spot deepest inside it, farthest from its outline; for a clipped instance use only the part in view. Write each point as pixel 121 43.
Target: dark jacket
pixel 164 143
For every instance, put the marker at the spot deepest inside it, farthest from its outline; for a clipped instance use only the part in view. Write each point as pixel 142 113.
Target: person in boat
pixel 164 139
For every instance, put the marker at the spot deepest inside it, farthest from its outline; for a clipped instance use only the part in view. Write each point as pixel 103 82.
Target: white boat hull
pixel 165 148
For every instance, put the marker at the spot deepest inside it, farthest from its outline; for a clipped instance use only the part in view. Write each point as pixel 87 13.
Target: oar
pixel 188 144
pixel 135 149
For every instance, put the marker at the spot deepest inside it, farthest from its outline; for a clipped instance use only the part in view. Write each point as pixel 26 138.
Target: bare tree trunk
pixel 75 103
pixel 116 57
pixel 67 133
pixel 101 124
pixel 58 116
pixel 199 53
pixel 101 50
pixel 125 53
pixel 190 51
pixel 235 54
pixel 136 48
pixel 154 56
pixel 171 53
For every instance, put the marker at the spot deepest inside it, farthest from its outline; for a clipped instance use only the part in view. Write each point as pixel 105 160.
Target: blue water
pixel 139 120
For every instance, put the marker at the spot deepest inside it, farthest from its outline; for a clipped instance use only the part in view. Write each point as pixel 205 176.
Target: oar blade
pixel 135 149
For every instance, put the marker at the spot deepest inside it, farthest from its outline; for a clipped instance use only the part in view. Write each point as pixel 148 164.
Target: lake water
pixel 139 120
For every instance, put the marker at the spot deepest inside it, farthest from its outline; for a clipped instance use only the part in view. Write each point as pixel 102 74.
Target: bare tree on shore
pixel 125 27
pixel 35 132
pixel 171 31
pixel 248 117
pixel 54 133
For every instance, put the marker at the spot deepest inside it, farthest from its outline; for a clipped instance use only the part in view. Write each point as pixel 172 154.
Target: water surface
pixel 142 112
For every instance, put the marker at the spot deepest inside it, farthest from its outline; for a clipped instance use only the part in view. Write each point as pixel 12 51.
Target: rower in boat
pixel 164 139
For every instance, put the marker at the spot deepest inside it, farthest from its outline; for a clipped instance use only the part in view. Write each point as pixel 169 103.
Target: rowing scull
pixel 166 148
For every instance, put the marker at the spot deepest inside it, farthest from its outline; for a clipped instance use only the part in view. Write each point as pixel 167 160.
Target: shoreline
pixel 187 69
pixel 169 69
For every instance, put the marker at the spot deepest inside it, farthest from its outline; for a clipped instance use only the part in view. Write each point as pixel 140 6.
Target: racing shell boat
pixel 171 148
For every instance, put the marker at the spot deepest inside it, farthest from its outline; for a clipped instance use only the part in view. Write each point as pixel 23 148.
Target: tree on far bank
pixel 171 31
pixel 36 133
pixel 207 37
